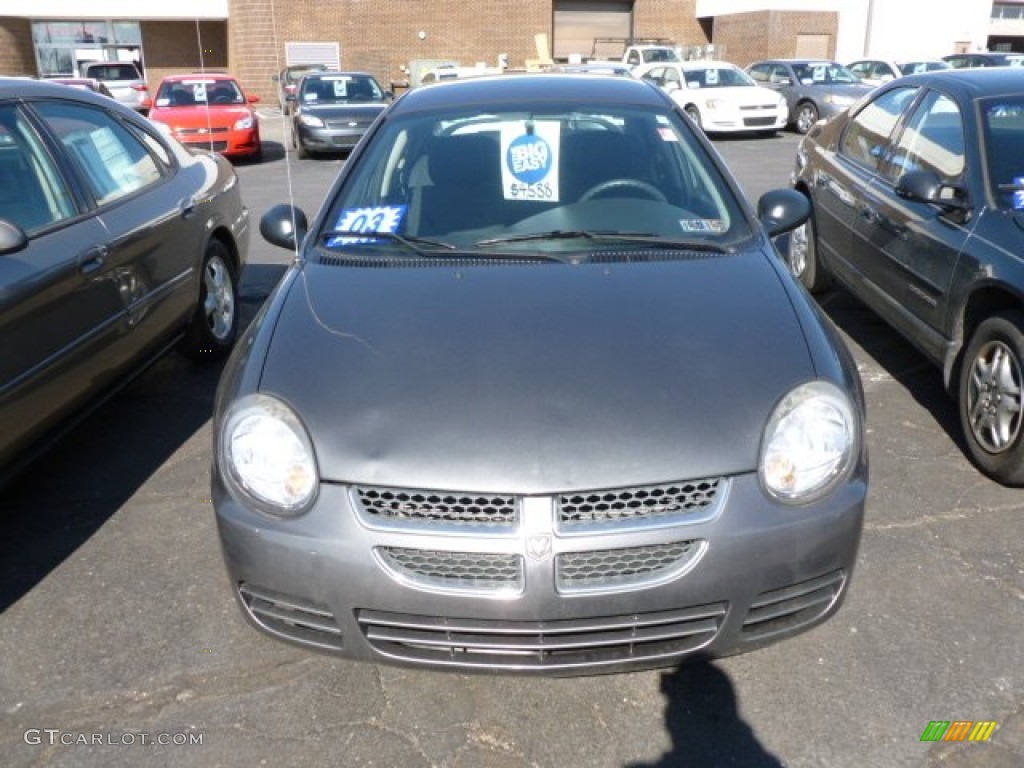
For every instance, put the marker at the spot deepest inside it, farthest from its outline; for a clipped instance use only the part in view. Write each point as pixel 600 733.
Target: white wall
pixel 899 29
pixel 132 10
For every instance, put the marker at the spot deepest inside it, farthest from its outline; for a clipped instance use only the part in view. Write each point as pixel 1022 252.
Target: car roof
pixel 972 83
pixel 16 86
pixel 337 72
pixel 585 88
pixel 198 75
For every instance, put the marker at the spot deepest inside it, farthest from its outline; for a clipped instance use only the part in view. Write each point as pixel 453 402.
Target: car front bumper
pixel 536 595
pixel 243 143
pixel 747 119
pixel 330 139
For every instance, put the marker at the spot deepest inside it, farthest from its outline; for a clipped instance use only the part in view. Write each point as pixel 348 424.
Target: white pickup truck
pixel 635 52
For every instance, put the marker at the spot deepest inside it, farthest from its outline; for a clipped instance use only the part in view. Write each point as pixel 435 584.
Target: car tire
pixel 989 399
pixel 214 326
pixel 694 114
pixel 802 257
pixel 806 116
pixel 300 150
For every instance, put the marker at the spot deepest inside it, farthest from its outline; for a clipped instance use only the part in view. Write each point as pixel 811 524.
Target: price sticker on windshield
pixel 529 151
pixel 366 221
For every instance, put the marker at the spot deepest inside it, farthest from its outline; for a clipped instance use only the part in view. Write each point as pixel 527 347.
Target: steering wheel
pixel 648 189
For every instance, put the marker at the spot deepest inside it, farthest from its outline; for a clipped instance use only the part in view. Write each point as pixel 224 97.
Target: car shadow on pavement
pixel 900 359
pixel 143 436
pixel 702 717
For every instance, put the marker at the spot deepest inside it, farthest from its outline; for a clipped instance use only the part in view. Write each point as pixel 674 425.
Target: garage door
pixel 577 23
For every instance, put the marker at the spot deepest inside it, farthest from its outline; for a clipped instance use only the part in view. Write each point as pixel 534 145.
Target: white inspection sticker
pixel 367 221
pixel 529 168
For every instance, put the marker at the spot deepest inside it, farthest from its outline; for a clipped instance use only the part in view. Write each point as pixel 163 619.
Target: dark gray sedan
pixel 814 89
pixel 538 396
pixel 333 110
pixel 115 243
pixel 918 200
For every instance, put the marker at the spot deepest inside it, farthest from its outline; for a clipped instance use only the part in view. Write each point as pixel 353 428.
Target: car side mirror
pixel 12 237
pixel 926 187
pixel 782 210
pixel 284 226
pixel 253 99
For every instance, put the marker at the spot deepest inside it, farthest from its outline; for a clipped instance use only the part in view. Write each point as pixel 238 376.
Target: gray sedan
pixel 814 89
pixel 333 110
pixel 538 396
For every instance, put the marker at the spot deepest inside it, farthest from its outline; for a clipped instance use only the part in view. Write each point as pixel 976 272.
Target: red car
pixel 209 111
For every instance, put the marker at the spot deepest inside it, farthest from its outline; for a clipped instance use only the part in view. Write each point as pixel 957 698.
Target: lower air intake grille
pixel 544 645
pixel 291 618
pixel 631 566
pixel 790 607
pixel 475 571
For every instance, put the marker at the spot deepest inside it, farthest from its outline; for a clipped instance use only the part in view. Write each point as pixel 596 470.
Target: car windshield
pixel 1003 125
pixel 548 177
pixel 339 89
pixel 823 73
pixel 198 91
pixel 718 77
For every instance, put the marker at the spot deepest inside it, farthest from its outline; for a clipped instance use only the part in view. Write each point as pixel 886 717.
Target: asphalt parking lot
pixel 119 633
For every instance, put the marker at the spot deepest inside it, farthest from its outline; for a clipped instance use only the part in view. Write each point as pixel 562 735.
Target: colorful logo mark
pixel 959 730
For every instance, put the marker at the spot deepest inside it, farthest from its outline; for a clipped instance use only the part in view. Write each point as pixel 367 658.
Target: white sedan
pixel 720 97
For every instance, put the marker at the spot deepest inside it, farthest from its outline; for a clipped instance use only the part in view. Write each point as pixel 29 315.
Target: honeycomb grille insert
pixel 438 507
pixel 630 566
pixel 474 571
pixel 626 504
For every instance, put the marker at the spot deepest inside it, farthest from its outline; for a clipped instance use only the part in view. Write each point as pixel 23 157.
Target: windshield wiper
pixel 642 238
pixel 367 238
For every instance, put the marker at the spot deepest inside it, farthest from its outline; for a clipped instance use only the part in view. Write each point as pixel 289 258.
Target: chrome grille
pixel 629 566
pixel 438 506
pixel 291 618
pixel 201 131
pixel 488 571
pixel 783 609
pixel 541 645
pixel 637 503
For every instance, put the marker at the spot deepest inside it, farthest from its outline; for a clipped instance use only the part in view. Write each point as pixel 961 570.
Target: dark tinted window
pixel 32 192
pixel 867 136
pixel 933 140
pixel 113 161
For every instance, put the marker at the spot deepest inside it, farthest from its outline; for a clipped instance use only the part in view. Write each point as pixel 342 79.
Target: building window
pixel 63 46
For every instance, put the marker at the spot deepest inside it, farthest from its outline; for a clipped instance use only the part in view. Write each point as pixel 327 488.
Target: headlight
pixel 266 453
pixel 811 440
pixel 244 124
pixel 311 120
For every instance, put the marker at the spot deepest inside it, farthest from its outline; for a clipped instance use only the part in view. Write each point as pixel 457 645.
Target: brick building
pixel 254 39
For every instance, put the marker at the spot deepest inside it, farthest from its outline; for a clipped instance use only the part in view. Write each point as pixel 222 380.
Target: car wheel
pixel 802 257
pixel 806 116
pixel 694 114
pixel 300 150
pixel 990 397
pixel 214 326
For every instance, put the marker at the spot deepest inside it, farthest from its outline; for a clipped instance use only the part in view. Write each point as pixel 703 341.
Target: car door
pixel 912 245
pixel 841 177
pixel 56 313
pixel 146 205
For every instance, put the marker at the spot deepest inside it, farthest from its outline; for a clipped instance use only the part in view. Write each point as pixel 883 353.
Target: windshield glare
pixel 823 73
pixel 475 177
pixel 333 89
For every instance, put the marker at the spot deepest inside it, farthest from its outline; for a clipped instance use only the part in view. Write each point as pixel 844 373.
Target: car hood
pixel 201 117
pixel 536 378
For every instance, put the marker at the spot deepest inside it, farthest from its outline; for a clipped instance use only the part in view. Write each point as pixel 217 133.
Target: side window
pixel 33 194
pixel 867 136
pixel 860 69
pixel 671 76
pixel 933 140
pixel 781 75
pixel 759 73
pixel 113 161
